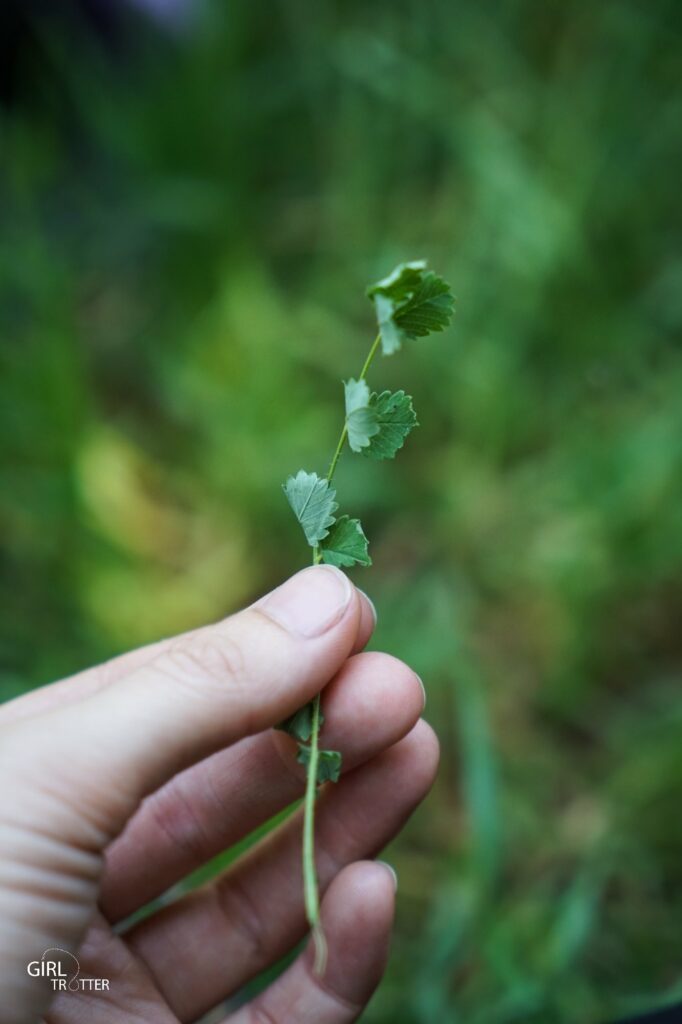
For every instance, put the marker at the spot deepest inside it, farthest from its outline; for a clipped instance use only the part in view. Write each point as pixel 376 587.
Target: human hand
pixel 121 780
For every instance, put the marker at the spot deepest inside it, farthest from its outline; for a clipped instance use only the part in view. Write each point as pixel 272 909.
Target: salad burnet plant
pixel 412 302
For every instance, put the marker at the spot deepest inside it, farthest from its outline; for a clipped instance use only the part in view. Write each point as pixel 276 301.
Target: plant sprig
pixel 411 302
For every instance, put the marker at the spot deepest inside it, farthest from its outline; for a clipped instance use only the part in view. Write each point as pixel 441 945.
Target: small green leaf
pixel 328 763
pixel 401 282
pixel 410 303
pixel 312 500
pixel 428 310
pixel 300 724
pixel 360 420
pixel 395 418
pixel 346 544
pixel 357 395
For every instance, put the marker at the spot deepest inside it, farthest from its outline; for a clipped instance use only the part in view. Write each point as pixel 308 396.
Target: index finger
pixel 206 690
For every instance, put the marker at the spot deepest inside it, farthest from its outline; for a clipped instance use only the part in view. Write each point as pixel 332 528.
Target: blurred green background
pixel 189 219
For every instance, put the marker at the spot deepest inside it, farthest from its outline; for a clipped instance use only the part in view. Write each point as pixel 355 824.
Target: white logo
pixel 63 972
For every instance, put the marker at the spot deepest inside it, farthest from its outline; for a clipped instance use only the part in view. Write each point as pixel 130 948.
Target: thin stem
pixel 337 454
pixel 310 886
pixel 344 433
pixel 370 356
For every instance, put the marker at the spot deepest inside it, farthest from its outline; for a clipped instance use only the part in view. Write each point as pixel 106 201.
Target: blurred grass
pixel 188 226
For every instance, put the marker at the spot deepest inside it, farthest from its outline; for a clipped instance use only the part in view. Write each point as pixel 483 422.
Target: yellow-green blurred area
pixel 189 220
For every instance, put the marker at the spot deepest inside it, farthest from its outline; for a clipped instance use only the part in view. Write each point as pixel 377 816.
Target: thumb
pixel 98 757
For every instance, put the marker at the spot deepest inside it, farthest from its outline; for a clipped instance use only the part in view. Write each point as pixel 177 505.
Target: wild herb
pixel 411 302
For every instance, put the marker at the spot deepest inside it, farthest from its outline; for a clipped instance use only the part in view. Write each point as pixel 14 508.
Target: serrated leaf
pixel 360 420
pixel 428 310
pixel 401 282
pixel 395 418
pixel 328 763
pixel 391 335
pixel 300 724
pixel 410 303
pixel 356 393
pixel 346 544
pixel 312 500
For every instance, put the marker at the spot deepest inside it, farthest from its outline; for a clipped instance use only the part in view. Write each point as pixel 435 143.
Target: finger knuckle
pixel 210 660
pixel 242 914
pixel 260 1014
pixel 181 822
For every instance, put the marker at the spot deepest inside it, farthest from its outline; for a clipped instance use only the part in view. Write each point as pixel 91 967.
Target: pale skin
pixel 121 780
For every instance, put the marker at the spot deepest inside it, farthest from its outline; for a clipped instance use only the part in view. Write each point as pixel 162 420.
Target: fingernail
pixel 371 604
pixel 419 680
pixel 309 603
pixel 391 870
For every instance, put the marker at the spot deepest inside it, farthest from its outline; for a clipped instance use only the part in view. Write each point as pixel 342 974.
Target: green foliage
pixel 361 423
pixel 300 724
pixel 378 422
pixel 328 765
pixel 411 302
pixel 312 500
pixel 377 425
pixel 394 417
pixel 346 544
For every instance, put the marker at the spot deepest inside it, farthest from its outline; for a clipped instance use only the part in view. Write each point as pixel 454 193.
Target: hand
pixel 121 780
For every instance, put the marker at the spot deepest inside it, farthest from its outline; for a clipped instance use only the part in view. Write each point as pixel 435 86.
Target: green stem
pixel 337 454
pixel 370 356
pixel 344 433
pixel 310 885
